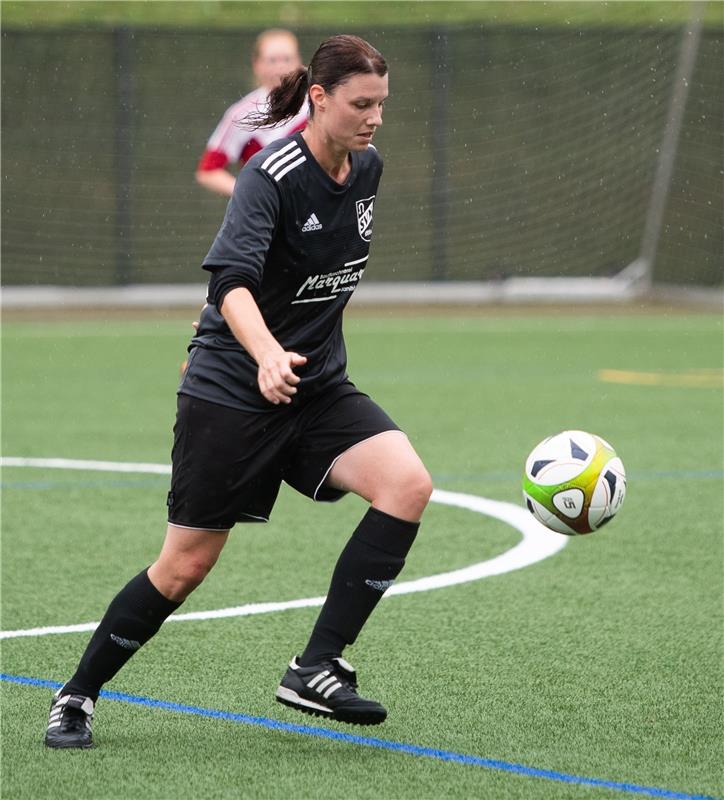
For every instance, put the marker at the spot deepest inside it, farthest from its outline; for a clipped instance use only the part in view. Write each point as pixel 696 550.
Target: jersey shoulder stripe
pixel 282 161
pixel 290 167
pixel 278 163
pixel 277 154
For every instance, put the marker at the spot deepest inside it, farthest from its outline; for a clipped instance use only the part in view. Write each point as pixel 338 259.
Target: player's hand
pixel 195 324
pixel 277 381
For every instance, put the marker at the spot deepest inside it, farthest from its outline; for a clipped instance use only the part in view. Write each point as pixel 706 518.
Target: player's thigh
pixel 384 466
pixel 329 426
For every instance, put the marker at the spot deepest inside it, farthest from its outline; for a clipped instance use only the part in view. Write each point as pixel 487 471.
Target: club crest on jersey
pixel 364 217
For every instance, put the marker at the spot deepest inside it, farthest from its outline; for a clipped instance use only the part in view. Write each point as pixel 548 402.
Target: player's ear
pixel 318 96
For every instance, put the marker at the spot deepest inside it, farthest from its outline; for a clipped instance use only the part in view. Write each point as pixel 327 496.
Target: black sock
pixel 368 565
pixel 133 617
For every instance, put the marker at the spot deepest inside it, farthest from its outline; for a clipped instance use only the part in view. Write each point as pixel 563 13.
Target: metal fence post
pixel 439 189
pixel 123 78
pixel 667 153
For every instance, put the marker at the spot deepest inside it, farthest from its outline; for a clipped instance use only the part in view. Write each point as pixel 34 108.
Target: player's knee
pixel 185 575
pixel 414 488
pixel 193 571
pixel 421 488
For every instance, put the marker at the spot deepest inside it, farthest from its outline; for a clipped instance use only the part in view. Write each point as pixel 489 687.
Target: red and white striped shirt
pixel 233 142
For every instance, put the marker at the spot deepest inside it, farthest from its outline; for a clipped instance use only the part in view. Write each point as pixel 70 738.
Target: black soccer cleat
pixel 328 690
pixel 70 721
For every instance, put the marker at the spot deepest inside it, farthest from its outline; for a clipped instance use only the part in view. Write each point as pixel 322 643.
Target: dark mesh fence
pixel 507 152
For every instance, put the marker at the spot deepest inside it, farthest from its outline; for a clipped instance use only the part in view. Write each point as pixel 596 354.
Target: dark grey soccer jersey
pixel 299 241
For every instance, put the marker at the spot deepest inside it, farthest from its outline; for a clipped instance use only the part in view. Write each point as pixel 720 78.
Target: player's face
pixel 277 56
pixel 353 112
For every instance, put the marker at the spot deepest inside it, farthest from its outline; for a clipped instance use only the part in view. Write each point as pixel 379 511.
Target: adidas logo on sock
pixel 126 644
pixel 312 224
pixel 381 586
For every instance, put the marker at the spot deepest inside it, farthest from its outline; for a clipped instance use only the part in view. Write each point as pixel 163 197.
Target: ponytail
pixel 284 101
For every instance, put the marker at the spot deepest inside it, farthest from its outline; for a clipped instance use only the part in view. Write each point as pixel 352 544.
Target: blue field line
pixel 380 744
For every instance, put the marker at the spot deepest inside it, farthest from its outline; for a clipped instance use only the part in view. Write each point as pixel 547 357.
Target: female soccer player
pixel 266 396
pixel 276 53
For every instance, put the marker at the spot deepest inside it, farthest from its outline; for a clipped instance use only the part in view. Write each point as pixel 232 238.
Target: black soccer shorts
pixel 228 464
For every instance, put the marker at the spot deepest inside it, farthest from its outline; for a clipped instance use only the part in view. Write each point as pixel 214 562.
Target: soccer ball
pixel 574 482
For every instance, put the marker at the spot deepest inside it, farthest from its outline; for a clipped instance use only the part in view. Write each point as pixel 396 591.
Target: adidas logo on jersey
pixel 312 224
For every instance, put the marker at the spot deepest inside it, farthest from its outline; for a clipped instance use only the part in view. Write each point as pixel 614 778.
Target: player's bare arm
pixel 219 181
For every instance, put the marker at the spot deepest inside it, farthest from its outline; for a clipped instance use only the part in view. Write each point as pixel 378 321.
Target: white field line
pixel 537 543
pixel 91 466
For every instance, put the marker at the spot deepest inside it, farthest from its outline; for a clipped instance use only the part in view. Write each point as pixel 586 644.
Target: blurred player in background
pixel 276 52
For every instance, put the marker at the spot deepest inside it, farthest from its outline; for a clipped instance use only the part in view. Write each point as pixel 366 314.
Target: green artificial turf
pixel 601 661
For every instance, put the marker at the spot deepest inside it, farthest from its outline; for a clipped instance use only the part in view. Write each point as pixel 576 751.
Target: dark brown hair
pixel 337 59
